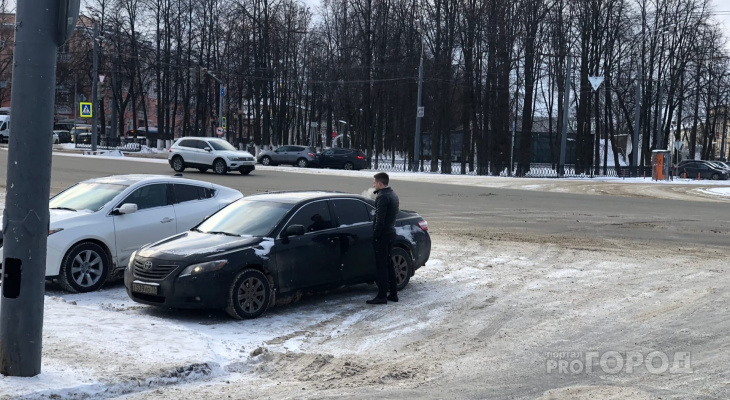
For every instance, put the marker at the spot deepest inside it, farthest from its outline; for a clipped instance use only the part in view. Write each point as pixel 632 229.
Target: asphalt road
pixel 484 212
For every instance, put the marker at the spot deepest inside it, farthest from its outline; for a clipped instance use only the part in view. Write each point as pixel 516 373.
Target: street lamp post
pixel 419 111
pixel 221 89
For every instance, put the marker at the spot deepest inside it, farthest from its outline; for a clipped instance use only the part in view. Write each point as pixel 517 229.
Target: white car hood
pixel 60 216
pixel 240 153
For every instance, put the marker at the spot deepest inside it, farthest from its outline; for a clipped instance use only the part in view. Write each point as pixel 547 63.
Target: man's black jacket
pixel 386 209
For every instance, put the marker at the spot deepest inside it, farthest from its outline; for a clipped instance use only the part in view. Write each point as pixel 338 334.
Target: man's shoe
pixel 393 298
pixel 378 300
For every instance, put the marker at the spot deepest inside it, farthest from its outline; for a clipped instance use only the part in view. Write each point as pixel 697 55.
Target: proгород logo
pixel 614 362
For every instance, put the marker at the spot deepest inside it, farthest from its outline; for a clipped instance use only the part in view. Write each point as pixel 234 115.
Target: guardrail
pixel 110 143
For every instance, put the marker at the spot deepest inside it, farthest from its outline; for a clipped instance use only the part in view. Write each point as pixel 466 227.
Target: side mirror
pixel 127 208
pixel 294 230
pixel 208 149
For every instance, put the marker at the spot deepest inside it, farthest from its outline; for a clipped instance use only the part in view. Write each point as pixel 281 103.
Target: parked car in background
pixel 272 246
pixel 80 134
pixel 61 136
pixel 701 168
pixel 343 158
pixel 4 128
pixel 300 156
pixel 205 153
pixel 96 224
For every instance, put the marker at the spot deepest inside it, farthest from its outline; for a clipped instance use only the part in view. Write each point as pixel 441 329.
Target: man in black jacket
pixel 386 209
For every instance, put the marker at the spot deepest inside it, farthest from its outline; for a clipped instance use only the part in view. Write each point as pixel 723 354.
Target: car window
pixel 206 193
pixel 351 212
pixel 149 196
pixel 185 193
pixel 329 152
pixel 86 196
pixel 246 218
pixel 282 149
pixel 222 145
pixel 296 148
pixel 341 152
pixel 313 216
pixel 188 143
pixel 201 144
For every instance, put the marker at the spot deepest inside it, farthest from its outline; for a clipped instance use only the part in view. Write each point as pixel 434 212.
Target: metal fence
pixel 536 170
pixel 113 143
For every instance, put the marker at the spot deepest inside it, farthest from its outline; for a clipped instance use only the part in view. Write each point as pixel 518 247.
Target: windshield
pixel 86 196
pixel 221 145
pixel 245 218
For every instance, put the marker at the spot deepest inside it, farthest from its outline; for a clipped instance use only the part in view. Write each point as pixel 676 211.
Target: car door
pixel 153 220
pixel 280 155
pixel 206 157
pixel 192 203
pixel 356 240
pixel 311 260
pixel 188 149
pixel 326 158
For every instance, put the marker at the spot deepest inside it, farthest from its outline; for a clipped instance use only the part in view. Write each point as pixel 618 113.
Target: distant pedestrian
pixel 386 209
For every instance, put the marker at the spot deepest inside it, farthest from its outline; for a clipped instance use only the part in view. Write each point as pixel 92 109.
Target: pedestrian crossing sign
pixel 85 110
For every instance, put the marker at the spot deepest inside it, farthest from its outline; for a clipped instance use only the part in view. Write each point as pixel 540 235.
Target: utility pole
pixel 419 115
pixel 42 26
pixel 94 96
pixel 659 132
pixel 114 98
pixel 566 103
pixel 637 122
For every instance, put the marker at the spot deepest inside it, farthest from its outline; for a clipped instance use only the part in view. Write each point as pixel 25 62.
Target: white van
pixel 4 128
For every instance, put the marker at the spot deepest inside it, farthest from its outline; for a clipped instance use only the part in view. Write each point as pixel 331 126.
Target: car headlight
pixel 237 158
pixel 52 231
pixel 130 264
pixel 209 266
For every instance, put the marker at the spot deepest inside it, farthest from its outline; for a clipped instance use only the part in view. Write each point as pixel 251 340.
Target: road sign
pixel 223 91
pixel 678 144
pixel 224 123
pixel 420 112
pixel 85 110
pixel 219 131
pixel 101 78
pixel 595 81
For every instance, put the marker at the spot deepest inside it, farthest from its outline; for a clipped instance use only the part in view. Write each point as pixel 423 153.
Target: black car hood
pixel 197 244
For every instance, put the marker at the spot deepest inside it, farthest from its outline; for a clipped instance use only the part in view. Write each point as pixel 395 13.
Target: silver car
pixel 300 156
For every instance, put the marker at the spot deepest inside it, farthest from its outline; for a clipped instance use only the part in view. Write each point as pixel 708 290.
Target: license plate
pixel 142 288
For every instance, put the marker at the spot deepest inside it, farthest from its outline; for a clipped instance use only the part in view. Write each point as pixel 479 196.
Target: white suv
pixel 204 153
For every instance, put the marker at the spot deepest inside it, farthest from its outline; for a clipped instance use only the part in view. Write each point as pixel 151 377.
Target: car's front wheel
pixel 178 164
pixel 84 268
pixel 220 167
pixel 403 265
pixel 249 296
pixel 266 160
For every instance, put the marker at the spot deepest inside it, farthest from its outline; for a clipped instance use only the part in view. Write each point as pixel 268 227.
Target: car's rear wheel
pixel 403 265
pixel 302 163
pixel 348 166
pixel 178 164
pixel 84 268
pixel 220 167
pixel 203 169
pixel 266 160
pixel 249 296
pixel 715 176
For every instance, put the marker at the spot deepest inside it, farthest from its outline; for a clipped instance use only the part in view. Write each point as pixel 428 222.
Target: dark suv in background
pixel 343 158
pixel 300 156
pixel 705 169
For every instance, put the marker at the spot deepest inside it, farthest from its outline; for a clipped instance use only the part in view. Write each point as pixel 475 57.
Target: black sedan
pixel 272 246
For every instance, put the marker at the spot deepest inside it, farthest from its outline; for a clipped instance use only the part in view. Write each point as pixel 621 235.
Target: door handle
pixel 167 219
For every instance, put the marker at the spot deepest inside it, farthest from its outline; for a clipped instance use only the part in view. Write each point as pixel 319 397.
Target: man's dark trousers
pixel 384 265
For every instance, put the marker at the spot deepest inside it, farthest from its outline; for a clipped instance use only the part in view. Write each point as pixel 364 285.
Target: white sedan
pixel 97 224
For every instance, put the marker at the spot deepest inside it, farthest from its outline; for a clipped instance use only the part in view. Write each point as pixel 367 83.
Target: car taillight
pixel 423 225
pixel 170 150
pixel 310 154
pixel 360 157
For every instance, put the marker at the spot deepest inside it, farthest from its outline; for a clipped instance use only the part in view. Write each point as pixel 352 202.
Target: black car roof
pixel 293 197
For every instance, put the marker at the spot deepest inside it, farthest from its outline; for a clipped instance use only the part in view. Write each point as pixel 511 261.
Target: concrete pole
pixel 637 122
pixel 566 104
pixel 94 86
pixel 26 216
pixel 417 146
